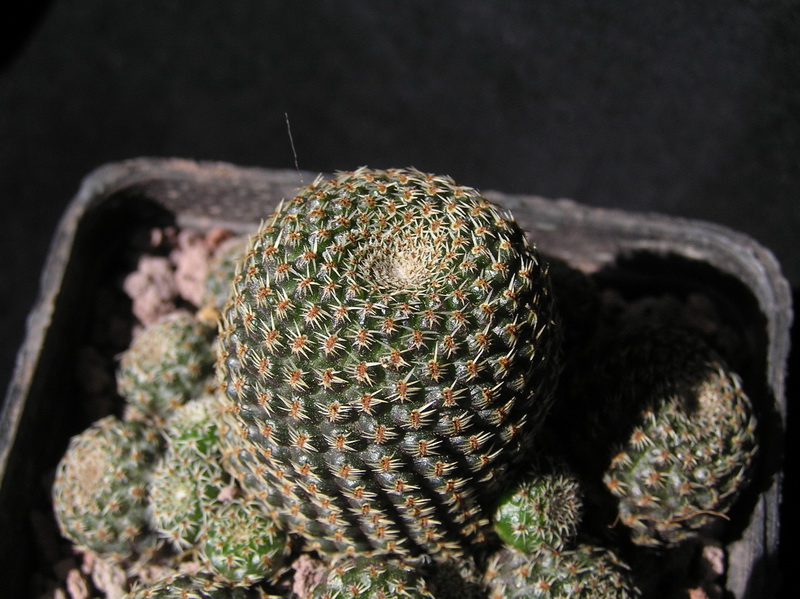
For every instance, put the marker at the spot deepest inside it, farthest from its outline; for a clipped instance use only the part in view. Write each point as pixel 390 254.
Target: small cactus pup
pixel 244 545
pixel 100 488
pixel 543 510
pixel 685 440
pixel 233 537
pixel 168 362
pixel 389 350
pixel 375 577
pixel 188 479
pixel 198 586
pixel 580 572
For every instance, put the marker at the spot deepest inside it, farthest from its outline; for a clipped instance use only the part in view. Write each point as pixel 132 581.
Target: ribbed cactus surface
pixel 371 578
pixel 389 349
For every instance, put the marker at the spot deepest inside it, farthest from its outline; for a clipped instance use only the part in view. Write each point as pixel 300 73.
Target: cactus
pixel 389 352
pixel 198 586
pixel 543 509
pixel 371 578
pixel 672 431
pixel 243 545
pixel 691 452
pixel 187 480
pixel 234 538
pixel 169 362
pixel 100 488
pixel 581 572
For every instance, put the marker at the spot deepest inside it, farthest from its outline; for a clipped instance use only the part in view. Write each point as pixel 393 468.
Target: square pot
pixel 633 254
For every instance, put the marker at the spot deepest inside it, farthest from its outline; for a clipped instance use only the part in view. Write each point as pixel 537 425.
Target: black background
pixel 688 108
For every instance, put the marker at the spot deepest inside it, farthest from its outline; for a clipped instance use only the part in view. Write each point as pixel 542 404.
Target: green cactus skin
pixel 689 455
pixel 543 510
pixel 244 545
pixel 100 488
pixel 187 480
pixel 373 577
pixel 390 349
pixel 169 362
pixel 199 586
pixel 582 572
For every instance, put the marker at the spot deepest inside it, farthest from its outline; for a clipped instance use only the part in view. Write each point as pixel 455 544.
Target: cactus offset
pixel 243 544
pixel 199 586
pixel 189 477
pixel 100 489
pixel 168 362
pixel 388 352
pixel 669 431
pixel 543 509
pixel 234 538
pixel 581 572
pixel 692 450
pixel 371 578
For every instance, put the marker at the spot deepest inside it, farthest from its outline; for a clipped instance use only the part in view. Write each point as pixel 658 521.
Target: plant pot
pixel 633 254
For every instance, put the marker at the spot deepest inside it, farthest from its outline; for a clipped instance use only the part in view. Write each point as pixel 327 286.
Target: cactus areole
pixel 387 354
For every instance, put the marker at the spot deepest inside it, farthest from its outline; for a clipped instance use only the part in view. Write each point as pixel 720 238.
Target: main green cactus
pixel 388 351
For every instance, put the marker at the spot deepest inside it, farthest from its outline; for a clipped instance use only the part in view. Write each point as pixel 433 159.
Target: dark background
pixel 688 108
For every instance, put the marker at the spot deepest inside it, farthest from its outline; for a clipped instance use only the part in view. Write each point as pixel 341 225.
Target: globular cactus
pixel 374 577
pixel 167 363
pixel 389 351
pixel 580 572
pixel 243 544
pixel 233 537
pixel 188 479
pixel 690 453
pixel 100 488
pixel 671 431
pixel 542 510
pixel 198 586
